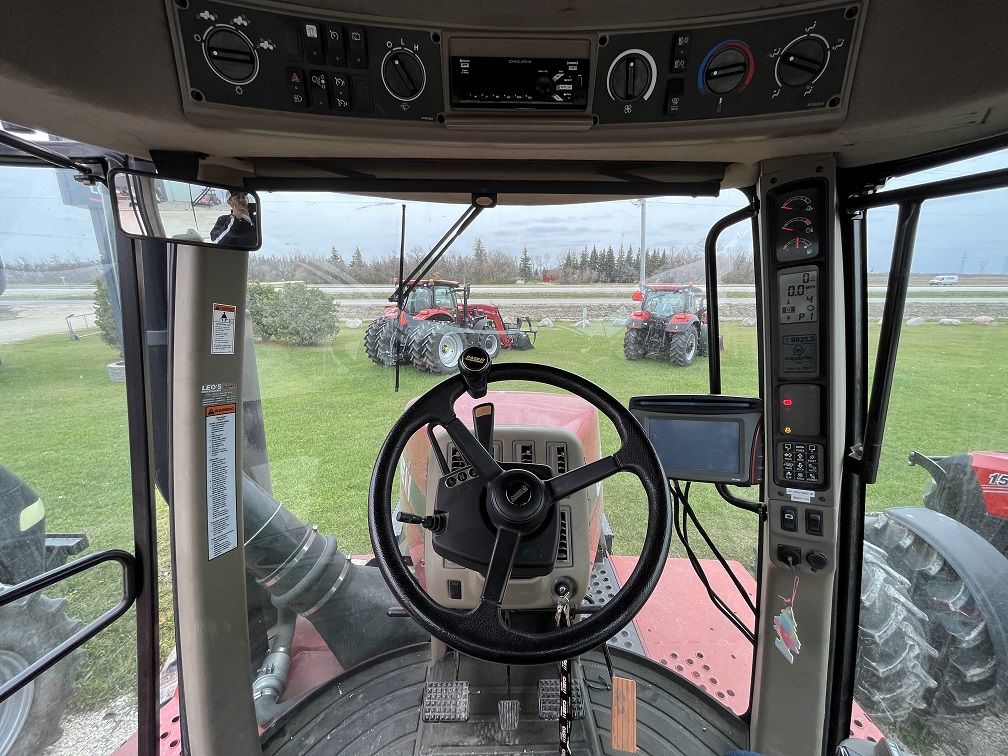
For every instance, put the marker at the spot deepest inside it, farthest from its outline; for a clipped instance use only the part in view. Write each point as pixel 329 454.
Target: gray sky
pixel 35 225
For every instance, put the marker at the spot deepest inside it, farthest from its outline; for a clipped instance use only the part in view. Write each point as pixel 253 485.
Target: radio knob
pixel 403 74
pixel 630 77
pixel 231 55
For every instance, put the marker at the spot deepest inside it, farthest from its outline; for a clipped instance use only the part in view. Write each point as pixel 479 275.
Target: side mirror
pixel 150 207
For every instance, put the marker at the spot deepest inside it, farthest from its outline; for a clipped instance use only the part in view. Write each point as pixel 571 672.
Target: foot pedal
pixel 446 702
pixel 510 713
pixel 549 701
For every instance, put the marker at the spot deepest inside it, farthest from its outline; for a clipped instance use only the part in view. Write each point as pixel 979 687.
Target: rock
pixel 949 322
pixel 915 322
pixel 984 320
pixel 582 324
pixel 620 322
pixel 749 322
pixel 545 323
pixel 354 323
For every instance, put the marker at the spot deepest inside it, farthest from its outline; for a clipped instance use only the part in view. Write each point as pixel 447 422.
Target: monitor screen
pixel 695 444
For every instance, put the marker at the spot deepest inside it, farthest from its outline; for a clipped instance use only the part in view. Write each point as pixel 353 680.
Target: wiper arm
pixel 85 174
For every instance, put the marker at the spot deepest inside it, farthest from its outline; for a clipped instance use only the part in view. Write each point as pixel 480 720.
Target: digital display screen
pixel 713 445
pixel 517 82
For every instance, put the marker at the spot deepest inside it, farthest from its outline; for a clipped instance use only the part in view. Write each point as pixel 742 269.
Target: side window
pixel 444 297
pixel 934 602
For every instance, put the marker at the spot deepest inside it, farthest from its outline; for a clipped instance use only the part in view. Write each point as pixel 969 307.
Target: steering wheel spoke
pixel 473 450
pixel 501 562
pixel 580 478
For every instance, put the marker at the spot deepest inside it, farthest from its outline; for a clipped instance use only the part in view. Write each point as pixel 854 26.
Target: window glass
pixel 64 463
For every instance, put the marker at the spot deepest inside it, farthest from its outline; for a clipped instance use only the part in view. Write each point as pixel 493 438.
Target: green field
pixel 328 409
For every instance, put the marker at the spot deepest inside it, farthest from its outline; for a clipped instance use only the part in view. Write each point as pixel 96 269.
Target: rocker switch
pixel 814 522
pixel 455 589
pixel 789 519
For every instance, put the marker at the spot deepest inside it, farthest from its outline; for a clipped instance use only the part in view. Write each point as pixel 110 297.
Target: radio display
pixel 519 82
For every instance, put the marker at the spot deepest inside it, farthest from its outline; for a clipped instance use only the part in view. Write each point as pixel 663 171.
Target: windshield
pixel 663 304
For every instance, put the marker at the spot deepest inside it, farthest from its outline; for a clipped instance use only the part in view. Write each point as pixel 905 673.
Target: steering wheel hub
pixel 518 500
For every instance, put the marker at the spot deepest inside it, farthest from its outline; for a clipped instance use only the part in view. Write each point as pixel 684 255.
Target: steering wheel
pixel 517 502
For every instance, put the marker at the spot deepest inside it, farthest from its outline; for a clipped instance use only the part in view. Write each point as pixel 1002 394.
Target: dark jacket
pixel 230 231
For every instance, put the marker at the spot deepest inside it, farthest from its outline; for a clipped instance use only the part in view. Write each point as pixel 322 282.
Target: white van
pixel 943 280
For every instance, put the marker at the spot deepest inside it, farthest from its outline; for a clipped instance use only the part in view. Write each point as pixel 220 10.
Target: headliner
pixel 105 75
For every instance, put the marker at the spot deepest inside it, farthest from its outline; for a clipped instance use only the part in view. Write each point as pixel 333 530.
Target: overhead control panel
pixel 792 64
pixel 277 60
pixel 260 59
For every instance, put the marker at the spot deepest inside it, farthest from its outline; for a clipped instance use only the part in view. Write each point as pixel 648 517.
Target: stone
pixel 620 322
pixel 984 320
pixel 545 323
pixel 949 322
pixel 915 322
pixel 354 323
pixel 582 324
pixel 749 322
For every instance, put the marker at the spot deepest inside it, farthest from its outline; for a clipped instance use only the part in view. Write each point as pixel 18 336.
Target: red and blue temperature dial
pixel 728 67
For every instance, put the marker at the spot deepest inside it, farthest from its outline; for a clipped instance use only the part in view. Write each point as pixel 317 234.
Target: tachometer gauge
pixel 797 226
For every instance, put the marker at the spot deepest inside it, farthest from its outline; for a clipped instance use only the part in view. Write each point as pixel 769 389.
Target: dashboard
pixel 244 59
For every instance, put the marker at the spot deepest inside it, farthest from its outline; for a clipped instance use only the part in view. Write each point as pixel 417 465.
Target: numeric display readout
pixel 798 295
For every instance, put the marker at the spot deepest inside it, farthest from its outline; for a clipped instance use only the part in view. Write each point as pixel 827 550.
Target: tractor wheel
pixel 388 344
pixel 891 678
pixel 415 336
pixel 703 344
pixel 965 670
pixel 441 349
pixel 30 628
pixel 371 337
pixel 634 345
pixel 488 338
pixel 683 348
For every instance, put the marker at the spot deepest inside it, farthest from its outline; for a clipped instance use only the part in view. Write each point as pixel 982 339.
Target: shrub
pixel 105 317
pixel 306 316
pixel 263 302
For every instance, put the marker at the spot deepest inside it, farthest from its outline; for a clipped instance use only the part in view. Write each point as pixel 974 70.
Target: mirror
pixel 151 207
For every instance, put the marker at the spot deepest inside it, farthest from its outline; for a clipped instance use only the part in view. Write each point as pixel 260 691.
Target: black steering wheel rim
pixel 481 632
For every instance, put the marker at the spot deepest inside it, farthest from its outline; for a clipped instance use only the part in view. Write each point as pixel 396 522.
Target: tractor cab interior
pixel 305 523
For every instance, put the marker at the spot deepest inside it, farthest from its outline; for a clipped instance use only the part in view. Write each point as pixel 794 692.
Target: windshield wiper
pixel 85 174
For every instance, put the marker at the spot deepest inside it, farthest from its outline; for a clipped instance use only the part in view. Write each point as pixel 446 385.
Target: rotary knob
pixel 803 61
pixel 725 70
pixel 403 74
pixel 631 76
pixel 231 55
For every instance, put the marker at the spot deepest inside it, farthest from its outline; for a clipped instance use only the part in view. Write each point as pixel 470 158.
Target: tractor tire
pixel 683 348
pixel 441 349
pixel 30 628
pixel 488 338
pixel 415 336
pixel 388 344
pixel 965 667
pixel 634 345
pixel 891 677
pixel 371 337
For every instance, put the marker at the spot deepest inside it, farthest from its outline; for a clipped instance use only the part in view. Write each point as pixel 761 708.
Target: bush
pixel 295 314
pixel 105 317
pixel 263 303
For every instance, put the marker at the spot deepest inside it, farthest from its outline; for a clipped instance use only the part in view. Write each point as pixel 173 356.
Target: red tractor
pixel 433 330
pixel 672 320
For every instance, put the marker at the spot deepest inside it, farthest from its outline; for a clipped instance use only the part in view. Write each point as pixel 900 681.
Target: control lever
pixel 474 366
pixel 483 424
pixel 434 523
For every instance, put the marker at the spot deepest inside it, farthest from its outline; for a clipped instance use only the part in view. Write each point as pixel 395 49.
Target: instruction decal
pixel 800 494
pixel 221 463
pixel 222 332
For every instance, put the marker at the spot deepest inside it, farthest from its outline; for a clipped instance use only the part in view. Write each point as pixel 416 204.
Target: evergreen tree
pixel 336 258
pixel 525 267
pixel 609 266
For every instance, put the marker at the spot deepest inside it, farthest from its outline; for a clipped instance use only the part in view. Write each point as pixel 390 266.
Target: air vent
pixel 524 451
pixel 563 550
pixel 557 457
pixel 457 461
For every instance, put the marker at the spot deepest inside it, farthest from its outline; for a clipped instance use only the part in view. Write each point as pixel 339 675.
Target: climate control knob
pixel 632 76
pixel 802 61
pixel 230 55
pixel 403 74
pixel 726 69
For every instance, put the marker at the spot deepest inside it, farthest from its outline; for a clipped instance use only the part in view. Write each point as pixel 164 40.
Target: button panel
pixel 799 462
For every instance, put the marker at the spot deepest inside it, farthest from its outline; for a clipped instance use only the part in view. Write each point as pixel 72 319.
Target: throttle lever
pixel 483 425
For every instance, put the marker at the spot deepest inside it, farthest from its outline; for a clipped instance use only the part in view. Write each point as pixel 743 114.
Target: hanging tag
pixel 624 715
pixel 787 629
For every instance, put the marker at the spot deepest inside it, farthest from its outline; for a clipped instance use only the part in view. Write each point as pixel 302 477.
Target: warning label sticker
pixel 222 335
pixel 221 461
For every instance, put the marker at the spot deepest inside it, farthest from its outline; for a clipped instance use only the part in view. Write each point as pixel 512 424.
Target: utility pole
pixel 962 265
pixel 983 264
pixel 642 203
pixel 1004 268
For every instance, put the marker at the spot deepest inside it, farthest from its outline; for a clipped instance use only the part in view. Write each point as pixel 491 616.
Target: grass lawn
pixel 327 410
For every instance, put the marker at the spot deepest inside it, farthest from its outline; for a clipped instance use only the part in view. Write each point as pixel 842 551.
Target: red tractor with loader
pixel 671 321
pixel 433 329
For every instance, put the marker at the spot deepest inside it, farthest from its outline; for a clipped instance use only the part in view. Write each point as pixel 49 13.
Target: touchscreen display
pixel 697 444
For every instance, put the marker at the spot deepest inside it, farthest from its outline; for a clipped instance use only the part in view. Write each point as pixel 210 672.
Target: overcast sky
pixel 35 225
